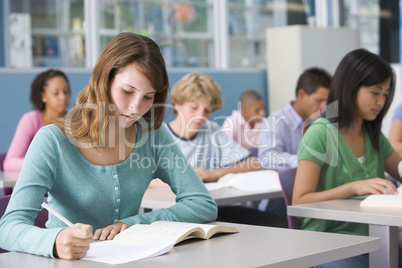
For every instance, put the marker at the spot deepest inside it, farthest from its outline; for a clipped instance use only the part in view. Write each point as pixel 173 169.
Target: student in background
pixel 395 134
pixel 50 95
pixel 206 147
pixel 282 131
pixel 203 143
pixel 344 153
pixel 91 162
pixel 244 125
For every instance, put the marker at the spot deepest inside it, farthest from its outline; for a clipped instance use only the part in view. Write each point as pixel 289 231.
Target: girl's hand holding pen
pixel 73 243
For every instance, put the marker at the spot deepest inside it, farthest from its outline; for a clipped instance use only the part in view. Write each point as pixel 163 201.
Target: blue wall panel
pixel 2 39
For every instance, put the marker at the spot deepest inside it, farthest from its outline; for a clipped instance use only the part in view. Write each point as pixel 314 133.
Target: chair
pixel 40 220
pixel 4 191
pixel 254 151
pixel 2 157
pixel 287 179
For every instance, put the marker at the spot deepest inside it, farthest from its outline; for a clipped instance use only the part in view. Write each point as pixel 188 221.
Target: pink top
pixel 29 124
pixel 237 128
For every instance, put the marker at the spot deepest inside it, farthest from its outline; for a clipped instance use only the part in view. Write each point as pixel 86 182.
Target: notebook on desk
pixel 262 180
pixel 383 200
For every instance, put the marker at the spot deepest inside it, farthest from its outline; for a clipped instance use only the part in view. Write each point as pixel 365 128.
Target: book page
pixel 144 241
pixel 266 180
pixel 158 230
pixel 383 200
pixel 212 186
pixel 207 230
pixel 116 252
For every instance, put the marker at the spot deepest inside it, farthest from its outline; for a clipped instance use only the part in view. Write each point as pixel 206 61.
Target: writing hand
pixel 72 243
pixel 109 232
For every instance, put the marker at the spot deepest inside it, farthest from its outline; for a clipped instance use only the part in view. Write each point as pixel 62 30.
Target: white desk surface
pixel 348 210
pixel 8 178
pixel 163 197
pixel 253 246
pixel 383 223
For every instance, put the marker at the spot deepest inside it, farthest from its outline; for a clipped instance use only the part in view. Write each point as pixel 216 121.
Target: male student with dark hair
pixel 282 131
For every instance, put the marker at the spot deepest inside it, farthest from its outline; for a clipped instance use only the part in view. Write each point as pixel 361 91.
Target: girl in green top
pixel 344 153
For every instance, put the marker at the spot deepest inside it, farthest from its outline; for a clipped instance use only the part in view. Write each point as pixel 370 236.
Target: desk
pixel 163 197
pixel 253 246
pixel 382 222
pixel 8 179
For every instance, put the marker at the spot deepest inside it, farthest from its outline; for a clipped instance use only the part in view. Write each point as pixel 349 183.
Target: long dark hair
pixel 360 68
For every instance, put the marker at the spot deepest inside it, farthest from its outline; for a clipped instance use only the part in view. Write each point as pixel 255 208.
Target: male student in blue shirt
pixel 282 131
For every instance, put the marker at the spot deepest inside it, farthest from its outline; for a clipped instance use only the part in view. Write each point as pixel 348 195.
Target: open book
pixel 383 200
pixel 148 240
pixel 262 180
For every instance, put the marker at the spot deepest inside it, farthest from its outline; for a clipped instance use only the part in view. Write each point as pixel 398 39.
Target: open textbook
pixel 383 200
pixel 148 240
pixel 262 180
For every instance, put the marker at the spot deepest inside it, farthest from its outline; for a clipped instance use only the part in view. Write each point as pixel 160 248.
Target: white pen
pixel 58 215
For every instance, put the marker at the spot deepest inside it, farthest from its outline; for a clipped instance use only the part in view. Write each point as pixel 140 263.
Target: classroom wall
pixel 15 91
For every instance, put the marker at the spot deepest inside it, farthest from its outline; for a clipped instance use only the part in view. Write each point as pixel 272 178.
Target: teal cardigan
pixel 98 195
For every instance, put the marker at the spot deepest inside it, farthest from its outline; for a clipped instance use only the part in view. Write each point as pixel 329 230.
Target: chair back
pixel 254 151
pixel 2 157
pixel 8 190
pixel 3 205
pixel 40 220
pixel 287 179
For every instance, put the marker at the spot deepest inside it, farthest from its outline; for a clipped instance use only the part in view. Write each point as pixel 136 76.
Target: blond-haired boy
pixel 208 149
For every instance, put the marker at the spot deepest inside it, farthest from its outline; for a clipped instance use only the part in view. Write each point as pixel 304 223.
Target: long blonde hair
pixel 90 116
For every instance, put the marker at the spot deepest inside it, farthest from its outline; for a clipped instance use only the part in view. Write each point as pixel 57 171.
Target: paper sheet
pixel 267 180
pixel 116 252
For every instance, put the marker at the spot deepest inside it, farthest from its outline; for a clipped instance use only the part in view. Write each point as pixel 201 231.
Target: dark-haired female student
pixel 344 153
pixel 50 95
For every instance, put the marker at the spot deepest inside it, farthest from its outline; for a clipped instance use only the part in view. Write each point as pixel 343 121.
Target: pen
pixel 58 215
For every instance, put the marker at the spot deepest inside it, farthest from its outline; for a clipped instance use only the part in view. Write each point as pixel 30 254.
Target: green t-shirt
pixel 324 145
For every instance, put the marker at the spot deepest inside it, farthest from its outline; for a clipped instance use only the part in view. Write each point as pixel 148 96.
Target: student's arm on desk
pixel 193 201
pixel 306 181
pixel 249 164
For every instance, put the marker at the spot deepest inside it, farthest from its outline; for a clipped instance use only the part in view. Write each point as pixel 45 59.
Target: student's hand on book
pixel 109 232
pixel 207 175
pixel 72 243
pixel 374 186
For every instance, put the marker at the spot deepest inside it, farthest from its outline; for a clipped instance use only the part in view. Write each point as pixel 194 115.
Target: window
pixel 364 15
pixel 191 33
pixel 248 20
pixel 56 29
pixel 182 29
